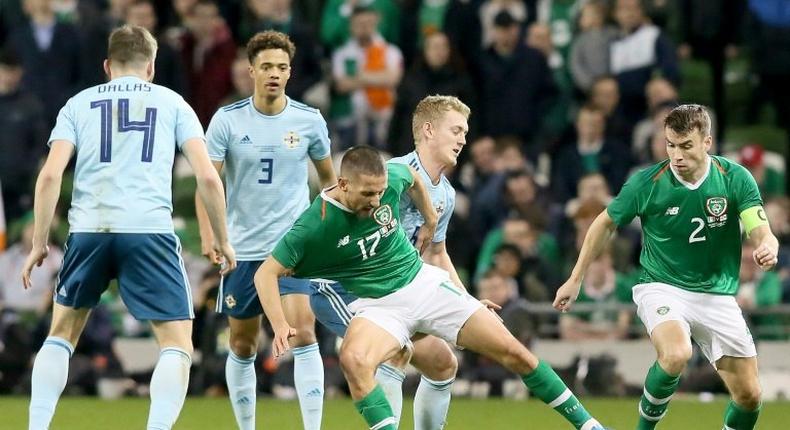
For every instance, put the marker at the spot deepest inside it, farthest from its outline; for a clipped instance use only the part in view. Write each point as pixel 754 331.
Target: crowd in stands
pixel 568 99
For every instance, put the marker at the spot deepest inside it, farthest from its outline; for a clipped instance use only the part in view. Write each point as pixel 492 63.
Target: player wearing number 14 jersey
pixel 690 207
pixel 125 134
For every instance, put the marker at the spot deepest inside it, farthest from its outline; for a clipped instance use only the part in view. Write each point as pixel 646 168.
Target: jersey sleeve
pixel 290 249
pixel 320 144
pixel 217 136
pixel 187 124
pixel 399 177
pixel 625 207
pixel 65 126
pixel 747 194
pixel 444 220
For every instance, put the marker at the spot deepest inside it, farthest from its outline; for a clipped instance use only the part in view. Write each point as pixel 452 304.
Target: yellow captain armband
pixel 753 218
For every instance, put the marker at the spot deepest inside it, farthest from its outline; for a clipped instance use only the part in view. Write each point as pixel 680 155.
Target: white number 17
pixel 375 237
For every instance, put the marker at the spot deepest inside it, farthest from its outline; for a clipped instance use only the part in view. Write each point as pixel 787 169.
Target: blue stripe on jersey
pixel 236 106
pixel 236 103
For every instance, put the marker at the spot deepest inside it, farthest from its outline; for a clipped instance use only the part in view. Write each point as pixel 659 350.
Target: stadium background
pixel 565 95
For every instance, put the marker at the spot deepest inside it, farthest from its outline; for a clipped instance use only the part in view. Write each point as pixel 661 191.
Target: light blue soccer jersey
pixel 265 159
pixel 125 133
pixel 442 196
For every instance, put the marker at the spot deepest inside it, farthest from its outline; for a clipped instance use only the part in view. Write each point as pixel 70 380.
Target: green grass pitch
pixel 339 414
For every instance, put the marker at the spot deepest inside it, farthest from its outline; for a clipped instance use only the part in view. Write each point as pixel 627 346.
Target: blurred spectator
pixel 169 68
pixel 591 151
pixel 482 164
pixel 589 57
pixel 243 85
pixel 336 20
pixel 660 91
pixel 280 15
pixel 24 135
pixel 462 25
pixel 366 70
pixel 640 51
pixel 605 286
pixel 770 179
pixel 582 220
pixel 709 31
pixel 208 51
pixel 591 187
pixel 50 55
pixel 758 289
pixel 13 294
pixel 516 86
pixel 522 12
pixel 437 71
pixel 605 95
pixel 177 21
pixel 95 24
pixel 648 132
pixel 557 118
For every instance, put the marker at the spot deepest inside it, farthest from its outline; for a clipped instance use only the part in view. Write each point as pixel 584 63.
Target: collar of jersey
pixel 277 115
pixel 424 173
pixel 334 202
pixel 697 184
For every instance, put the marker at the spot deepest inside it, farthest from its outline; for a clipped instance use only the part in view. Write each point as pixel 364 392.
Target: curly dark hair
pixel 270 39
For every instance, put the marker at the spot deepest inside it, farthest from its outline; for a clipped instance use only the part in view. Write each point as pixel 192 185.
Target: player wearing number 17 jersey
pixel 689 207
pixel 125 134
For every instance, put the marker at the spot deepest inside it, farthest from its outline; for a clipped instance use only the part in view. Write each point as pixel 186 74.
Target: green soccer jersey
pixel 370 256
pixel 690 233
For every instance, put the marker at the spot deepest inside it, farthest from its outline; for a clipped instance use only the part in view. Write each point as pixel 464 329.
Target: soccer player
pixel 689 206
pixel 264 141
pixel 351 234
pixel 125 134
pixel 439 126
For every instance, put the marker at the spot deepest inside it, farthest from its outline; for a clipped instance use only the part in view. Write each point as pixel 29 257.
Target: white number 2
pixel 375 237
pixel 693 236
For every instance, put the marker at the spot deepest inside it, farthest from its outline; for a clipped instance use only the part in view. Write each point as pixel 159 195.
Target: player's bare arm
pixel 594 242
pixel 204 226
pixel 766 247
pixel 211 191
pixel 269 294
pixel 422 200
pixel 326 172
pixel 46 198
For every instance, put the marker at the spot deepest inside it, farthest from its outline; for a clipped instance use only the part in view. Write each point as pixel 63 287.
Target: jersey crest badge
pixel 291 140
pixel 716 206
pixel 230 301
pixel 383 215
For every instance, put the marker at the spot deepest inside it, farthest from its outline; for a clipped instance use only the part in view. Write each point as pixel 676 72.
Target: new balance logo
pixel 343 242
pixel 245 140
pixel 672 211
pixel 315 392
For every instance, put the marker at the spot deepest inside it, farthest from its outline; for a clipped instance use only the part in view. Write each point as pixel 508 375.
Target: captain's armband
pixel 753 218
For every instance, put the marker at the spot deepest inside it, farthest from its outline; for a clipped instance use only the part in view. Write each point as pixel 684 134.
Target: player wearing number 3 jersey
pixel 125 134
pixel 689 206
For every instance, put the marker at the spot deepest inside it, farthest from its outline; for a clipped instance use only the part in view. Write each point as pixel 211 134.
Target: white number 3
pixel 693 236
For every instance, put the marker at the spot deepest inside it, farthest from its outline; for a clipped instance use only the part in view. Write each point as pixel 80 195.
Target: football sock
pixel 431 402
pixel 546 385
pixel 309 382
pixel 659 387
pixel 169 385
pixel 50 372
pixel 376 411
pixel 242 385
pixel 738 418
pixel 390 380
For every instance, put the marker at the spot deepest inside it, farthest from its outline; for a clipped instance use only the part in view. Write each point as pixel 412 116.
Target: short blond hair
pixel 131 44
pixel 431 108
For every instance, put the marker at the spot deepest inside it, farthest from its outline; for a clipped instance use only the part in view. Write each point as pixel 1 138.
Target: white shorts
pixel 714 321
pixel 429 304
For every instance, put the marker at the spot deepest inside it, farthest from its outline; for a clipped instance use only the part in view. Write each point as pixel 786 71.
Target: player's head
pixel 363 179
pixel 131 49
pixel 439 125
pixel 270 54
pixel 687 132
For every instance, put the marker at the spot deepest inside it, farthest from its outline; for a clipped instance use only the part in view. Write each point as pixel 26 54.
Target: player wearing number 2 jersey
pixel 125 134
pixel 351 234
pixel 264 143
pixel 689 207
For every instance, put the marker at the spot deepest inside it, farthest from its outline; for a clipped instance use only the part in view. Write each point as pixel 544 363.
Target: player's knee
pixel 673 360
pixel 442 367
pixel 243 346
pixel 354 362
pixel 748 397
pixel 305 335
pixel 517 358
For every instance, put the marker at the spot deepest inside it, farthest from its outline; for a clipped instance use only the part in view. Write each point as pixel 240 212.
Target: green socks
pixel 544 384
pixel 376 410
pixel 659 387
pixel 736 418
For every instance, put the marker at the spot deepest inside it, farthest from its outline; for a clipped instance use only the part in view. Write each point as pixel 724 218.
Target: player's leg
pixel 366 345
pixel 238 300
pixel 485 334
pixel 740 376
pixel 663 310
pixel 437 364
pixel 308 365
pixel 86 271
pixel 154 286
